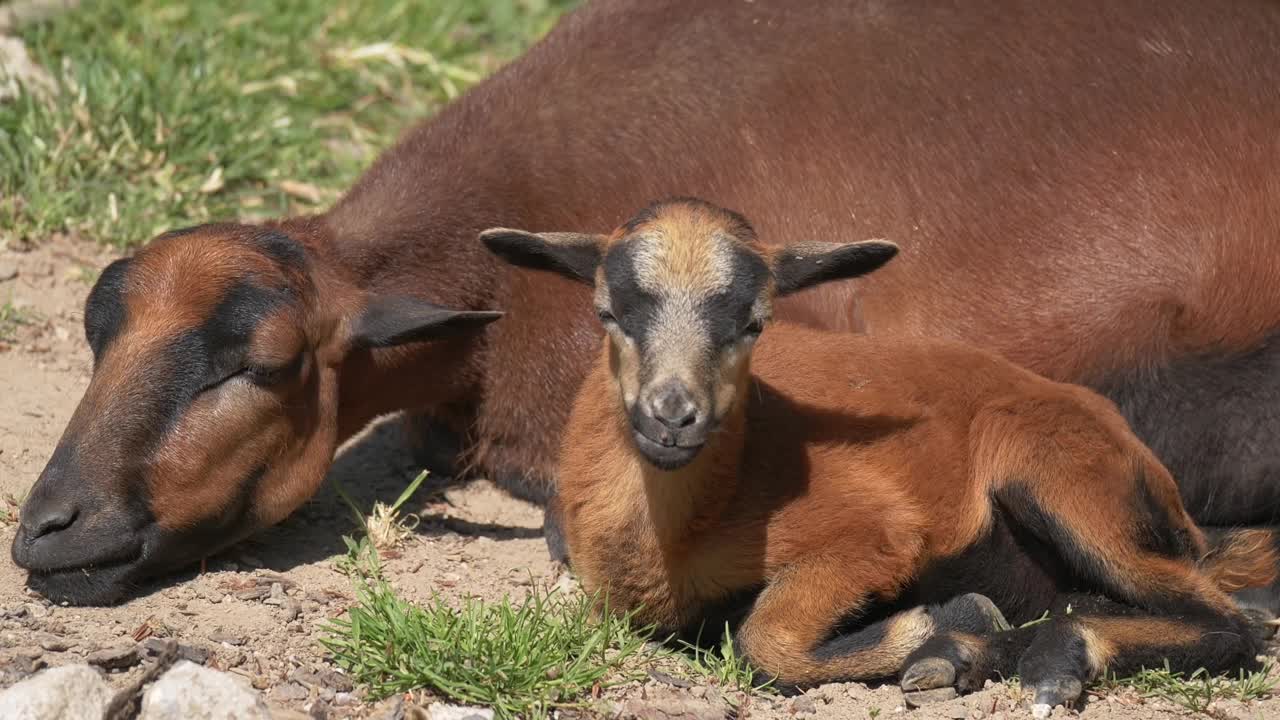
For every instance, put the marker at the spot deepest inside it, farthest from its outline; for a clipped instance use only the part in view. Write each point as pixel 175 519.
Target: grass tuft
pixel 384 526
pixel 169 113
pixel 1198 691
pixel 549 651
pixel 11 318
pixel 722 665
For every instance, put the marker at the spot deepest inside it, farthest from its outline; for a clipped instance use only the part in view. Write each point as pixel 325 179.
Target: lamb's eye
pixel 753 328
pixel 607 317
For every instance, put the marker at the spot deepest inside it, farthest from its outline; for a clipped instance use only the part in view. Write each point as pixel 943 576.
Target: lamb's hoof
pixel 929 673
pixel 1060 691
pixel 929 697
pixel 970 613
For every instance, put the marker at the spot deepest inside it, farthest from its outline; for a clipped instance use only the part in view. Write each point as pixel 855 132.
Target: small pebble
pixel 152 647
pixel 337 681
pixel 804 705
pixel 290 691
pixel 53 643
pixel 304 677
pixel 8 272
pixel 29 660
pixel 14 613
pixel 671 680
pixel 1040 711
pixel 118 657
pixel 221 636
pixel 36 611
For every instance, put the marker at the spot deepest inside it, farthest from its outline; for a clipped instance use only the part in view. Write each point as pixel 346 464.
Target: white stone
pixel 193 692
pixel 440 711
pixel 71 692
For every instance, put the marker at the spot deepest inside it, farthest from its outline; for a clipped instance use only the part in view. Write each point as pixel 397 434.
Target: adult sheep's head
pixel 214 406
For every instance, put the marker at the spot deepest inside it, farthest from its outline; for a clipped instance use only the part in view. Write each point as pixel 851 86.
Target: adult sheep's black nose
pixel 47 520
pixel 43 532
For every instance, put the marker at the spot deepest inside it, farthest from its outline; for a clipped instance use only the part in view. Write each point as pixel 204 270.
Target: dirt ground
pixel 473 540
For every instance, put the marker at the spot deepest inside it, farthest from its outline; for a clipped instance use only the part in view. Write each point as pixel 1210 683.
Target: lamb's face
pixel 683 294
pixel 684 291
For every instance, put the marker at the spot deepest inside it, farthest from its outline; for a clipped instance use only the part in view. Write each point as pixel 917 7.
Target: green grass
pixel 11 318
pixel 170 113
pixel 1195 692
pixel 722 665
pixel 527 659
pixel 1199 690
pixel 549 651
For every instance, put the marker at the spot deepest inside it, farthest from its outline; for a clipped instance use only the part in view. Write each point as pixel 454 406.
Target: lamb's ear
pixel 573 255
pixel 796 267
pixel 396 320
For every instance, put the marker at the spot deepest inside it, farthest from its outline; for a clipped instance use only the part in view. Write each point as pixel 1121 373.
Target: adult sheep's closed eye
pixel 841 482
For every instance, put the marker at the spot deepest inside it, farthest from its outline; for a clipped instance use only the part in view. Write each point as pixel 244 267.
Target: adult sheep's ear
pixel 573 255
pixel 804 265
pixel 396 320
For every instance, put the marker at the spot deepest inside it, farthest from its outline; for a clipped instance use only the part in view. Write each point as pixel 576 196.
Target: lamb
pixel 867 508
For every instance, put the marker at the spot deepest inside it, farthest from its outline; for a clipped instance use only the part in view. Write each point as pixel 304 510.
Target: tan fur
pixel 1106 638
pixel 683 250
pixel 1246 558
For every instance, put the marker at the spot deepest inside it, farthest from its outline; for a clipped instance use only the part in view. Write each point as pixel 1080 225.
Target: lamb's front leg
pixel 791 632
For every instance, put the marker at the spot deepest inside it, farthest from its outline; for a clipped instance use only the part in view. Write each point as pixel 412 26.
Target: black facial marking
pixel 204 356
pixel 728 312
pixel 634 308
pixel 286 251
pixel 104 310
